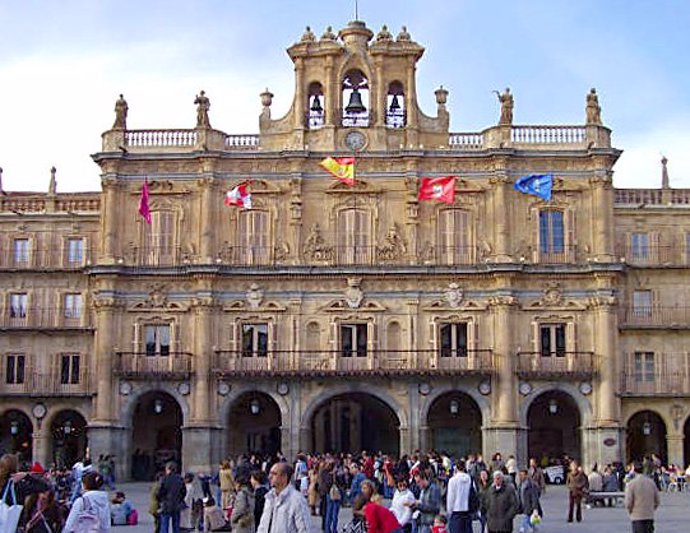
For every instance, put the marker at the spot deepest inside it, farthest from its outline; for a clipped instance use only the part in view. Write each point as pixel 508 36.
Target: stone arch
pixel 54 410
pixel 254 425
pixel 68 436
pixel 129 403
pixel 646 431
pixel 686 441
pixel 16 433
pixel 240 389
pixel 339 390
pixel 481 401
pixel 582 402
pixel 453 423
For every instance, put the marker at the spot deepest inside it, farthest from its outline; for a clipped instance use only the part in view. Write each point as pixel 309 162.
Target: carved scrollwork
pixel 315 247
pixel 394 246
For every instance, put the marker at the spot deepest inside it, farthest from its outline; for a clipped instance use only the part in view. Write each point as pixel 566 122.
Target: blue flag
pixel 536 184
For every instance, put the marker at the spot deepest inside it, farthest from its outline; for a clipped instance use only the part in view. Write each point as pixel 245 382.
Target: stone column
pixel 505 423
pixel 331 93
pixel 104 346
pixel 602 205
pixel 41 446
pixel 501 216
pixel 109 213
pixel 380 96
pixel 674 443
pixel 207 229
pixel 203 352
pixel 300 105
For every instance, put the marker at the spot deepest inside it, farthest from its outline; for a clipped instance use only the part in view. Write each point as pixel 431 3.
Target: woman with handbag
pixel 334 498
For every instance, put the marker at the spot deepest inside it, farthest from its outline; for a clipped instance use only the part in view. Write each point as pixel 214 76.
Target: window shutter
pixel 232 336
pixel 136 336
pixel 536 234
pixel 535 337
pixel 657 254
pixel 570 243
pixel 432 356
pixel 571 338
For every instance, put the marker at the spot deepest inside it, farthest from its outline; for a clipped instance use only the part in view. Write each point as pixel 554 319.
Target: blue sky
pixel 63 64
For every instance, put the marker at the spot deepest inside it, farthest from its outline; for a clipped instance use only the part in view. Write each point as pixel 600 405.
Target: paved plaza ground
pixel 672 517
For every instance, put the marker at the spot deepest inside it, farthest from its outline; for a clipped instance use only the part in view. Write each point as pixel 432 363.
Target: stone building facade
pixel 330 317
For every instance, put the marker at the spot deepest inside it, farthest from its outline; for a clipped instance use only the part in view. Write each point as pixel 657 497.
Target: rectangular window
pixel 254 340
pixel 18 305
pixel 644 367
pixel 72 305
pixel 161 244
pixel 552 340
pixel 69 369
pixel 454 340
pixel 353 237
pixel 353 340
pixel 21 251
pixel 454 236
pixel 642 303
pixel 157 339
pixel 255 248
pixel 14 369
pixel 551 232
pixel 639 246
pixel 75 251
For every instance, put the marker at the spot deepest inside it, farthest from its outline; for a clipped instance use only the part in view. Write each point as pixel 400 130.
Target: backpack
pixel 133 518
pixel 88 520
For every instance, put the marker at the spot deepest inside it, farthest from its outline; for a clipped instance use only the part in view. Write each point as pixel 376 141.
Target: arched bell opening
pixel 316 114
pixel 355 93
pixel 396 106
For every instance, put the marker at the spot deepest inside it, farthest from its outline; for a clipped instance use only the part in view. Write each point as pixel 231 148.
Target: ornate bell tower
pixel 355 91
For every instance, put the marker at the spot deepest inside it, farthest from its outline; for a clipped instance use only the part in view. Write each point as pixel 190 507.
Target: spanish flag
pixel 342 168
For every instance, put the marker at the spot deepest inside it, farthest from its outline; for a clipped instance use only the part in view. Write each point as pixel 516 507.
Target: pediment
pixel 341 304
pixel 361 187
pixel 242 306
pixel 562 305
pixel 465 305
pixel 147 305
pixel 260 187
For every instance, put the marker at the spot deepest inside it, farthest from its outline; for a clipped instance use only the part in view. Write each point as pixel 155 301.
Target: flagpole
pixel 354 201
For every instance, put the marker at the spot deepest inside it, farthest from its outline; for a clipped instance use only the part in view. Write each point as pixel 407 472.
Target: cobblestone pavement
pixel 672 517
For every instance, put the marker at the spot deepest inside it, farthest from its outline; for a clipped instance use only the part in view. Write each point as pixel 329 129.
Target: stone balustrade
pixel 160 138
pixel 548 134
pixel 466 141
pixel 242 142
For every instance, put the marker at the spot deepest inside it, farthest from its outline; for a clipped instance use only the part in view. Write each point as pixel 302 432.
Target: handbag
pixel 334 493
pixel 9 514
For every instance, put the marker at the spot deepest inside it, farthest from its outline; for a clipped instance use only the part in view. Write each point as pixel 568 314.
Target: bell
pixel 355 106
pixel 395 105
pixel 316 105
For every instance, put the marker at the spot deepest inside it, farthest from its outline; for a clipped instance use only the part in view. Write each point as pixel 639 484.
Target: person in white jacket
pixel 458 501
pixel 285 510
pixel 401 505
pixel 92 498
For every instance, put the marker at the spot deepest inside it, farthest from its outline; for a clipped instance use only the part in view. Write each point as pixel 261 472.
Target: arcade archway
pixel 69 439
pixel 353 422
pixel 16 432
pixel 455 423
pixel 686 442
pixel 254 425
pixel 645 435
pixel 156 434
pixel 554 421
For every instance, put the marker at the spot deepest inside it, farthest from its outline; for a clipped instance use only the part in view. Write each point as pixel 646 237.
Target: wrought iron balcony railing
pixel 141 366
pixel 655 317
pixel 373 362
pixel 566 365
pixel 20 317
pixel 656 373
pixel 652 255
pixel 53 383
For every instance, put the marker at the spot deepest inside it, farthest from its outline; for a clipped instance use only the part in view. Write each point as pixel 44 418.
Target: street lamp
pixel 646 429
pixel 255 406
pixel 14 427
pixel 67 428
pixel 158 406
pixel 553 406
pixel 454 407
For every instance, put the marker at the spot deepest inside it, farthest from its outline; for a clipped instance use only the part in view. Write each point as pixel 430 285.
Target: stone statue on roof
pixel 121 109
pixel 384 35
pixel 308 36
pixel 203 105
pixel 404 35
pixel 507 103
pixel 593 109
pixel 328 35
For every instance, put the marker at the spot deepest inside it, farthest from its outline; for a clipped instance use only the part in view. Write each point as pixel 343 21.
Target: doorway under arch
pixel 353 422
pixel 554 421
pixel 156 434
pixel 16 432
pixel 254 425
pixel 686 442
pixel 455 423
pixel 68 438
pixel 645 435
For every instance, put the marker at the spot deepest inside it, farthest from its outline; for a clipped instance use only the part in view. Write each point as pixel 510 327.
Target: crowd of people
pixel 424 493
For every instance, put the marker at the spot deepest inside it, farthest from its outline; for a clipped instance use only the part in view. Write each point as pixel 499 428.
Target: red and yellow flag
pixel 342 168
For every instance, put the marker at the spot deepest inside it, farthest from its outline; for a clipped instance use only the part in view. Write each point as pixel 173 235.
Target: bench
pixel 618 497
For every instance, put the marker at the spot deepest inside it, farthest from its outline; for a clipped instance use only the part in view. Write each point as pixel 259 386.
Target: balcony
pixel 332 363
pixel 51 258
pixel 656 374
pixel 568 365
pixel 652 255
pixel 656 317
pixel 140 366
pixel 43 384
pixel 555 255
pixel 38 318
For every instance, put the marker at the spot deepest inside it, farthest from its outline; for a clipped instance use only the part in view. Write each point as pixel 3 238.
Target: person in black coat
pixel 260 485
pixel 528 497
pixel 171 494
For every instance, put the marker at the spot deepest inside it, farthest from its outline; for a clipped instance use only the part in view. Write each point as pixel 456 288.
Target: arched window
pixel 254 237
pixel 355 99
pixel 396 106
pixel 315 111
pixel 354 239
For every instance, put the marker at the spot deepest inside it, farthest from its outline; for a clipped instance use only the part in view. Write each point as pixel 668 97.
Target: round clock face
pixel 525 388
pixel 125 388
pixel 355 140
pixel 585 388
pixel 283 389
